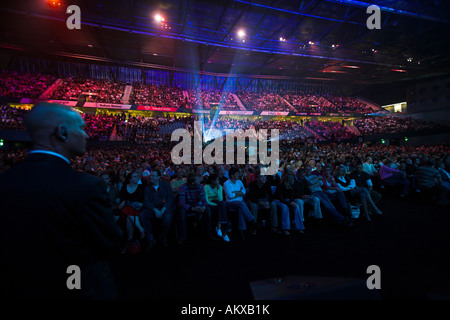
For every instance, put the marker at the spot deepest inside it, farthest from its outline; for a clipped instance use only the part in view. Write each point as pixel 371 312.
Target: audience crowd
pixel 331 130
pixel 24 85
pixel 138 128
pixel 104 91
pixel 11 118
pixel 337 183
pixel 157 95
pixel 207 99
pixel 263 101
pixel 392 124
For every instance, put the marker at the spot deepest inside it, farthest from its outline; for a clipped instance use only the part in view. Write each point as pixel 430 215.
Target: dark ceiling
pixel 202 36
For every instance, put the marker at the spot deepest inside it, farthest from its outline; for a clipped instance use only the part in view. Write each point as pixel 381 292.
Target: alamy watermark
pixel 213 153
pixel 74 280
pixel 374 21
pixel 374 280
pixel 73 21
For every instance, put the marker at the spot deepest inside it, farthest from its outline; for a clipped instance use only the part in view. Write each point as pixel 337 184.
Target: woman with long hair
pixel 131 203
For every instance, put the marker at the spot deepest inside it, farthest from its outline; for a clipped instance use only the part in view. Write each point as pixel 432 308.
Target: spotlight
pixel 54 3
pixel 159 18
pixel 241 33
pixel 311 43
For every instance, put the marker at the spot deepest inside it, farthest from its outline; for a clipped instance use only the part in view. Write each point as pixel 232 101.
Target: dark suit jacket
pixel 158 199
pixel 52 217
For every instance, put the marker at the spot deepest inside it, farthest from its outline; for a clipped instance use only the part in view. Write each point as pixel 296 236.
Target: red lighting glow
pixel 352 67
pixel 398 70
pixel 54 3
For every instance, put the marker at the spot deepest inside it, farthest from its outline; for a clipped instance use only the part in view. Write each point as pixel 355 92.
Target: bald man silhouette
pixel 53 217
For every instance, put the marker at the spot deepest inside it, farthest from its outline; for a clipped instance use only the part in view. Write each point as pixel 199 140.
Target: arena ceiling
pixel 310 40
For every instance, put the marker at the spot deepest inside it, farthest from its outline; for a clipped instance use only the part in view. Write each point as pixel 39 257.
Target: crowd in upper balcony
pixel 208 99
pixel 378 125
pixel 263 101
pixel 157 95
pixel 102 91
pixel 24 85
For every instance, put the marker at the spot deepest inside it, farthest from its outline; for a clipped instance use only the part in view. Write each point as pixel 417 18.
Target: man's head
pixel 57 128
pixel 106 177
pixel 233 173
pixel 359 168
pixel 260 178
pixel 430 162
pixel 308 170
pixel 341 171
pixel 193 179
pixel 155 175
pixel 328 170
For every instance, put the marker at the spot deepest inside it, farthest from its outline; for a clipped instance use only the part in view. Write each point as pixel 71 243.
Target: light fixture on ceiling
pixel 159 18
pixel 241 33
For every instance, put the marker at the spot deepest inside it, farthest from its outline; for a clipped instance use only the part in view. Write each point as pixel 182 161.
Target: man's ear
pixel 61 132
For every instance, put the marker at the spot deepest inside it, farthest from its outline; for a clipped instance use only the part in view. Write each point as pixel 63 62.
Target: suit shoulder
pixel 86 178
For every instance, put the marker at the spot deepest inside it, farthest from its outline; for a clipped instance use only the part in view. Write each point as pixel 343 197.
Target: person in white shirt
pixel 369 167
pixel 235 192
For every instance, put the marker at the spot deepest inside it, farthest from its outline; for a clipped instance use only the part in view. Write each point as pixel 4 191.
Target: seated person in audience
pixel 315 184
pixel 287 195
pixel 221 172
pixel 113 192
pixel 303 192
pixel 235 193
pixel 429 179
pixel 369 167
pixel 192 200
pixel 362 180
pixel 445 175
pixel 318 169
pixel 360 194
pixel 411 169
pixel 158 205
pixel 218 207
pixel 131 203
pixel 333 191
pixel 394 177
pixel 177 180
pixel 259 195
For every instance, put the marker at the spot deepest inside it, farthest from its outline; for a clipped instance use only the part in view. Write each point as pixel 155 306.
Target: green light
pixel 1 142
pixel 406 138
pixel 382 141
